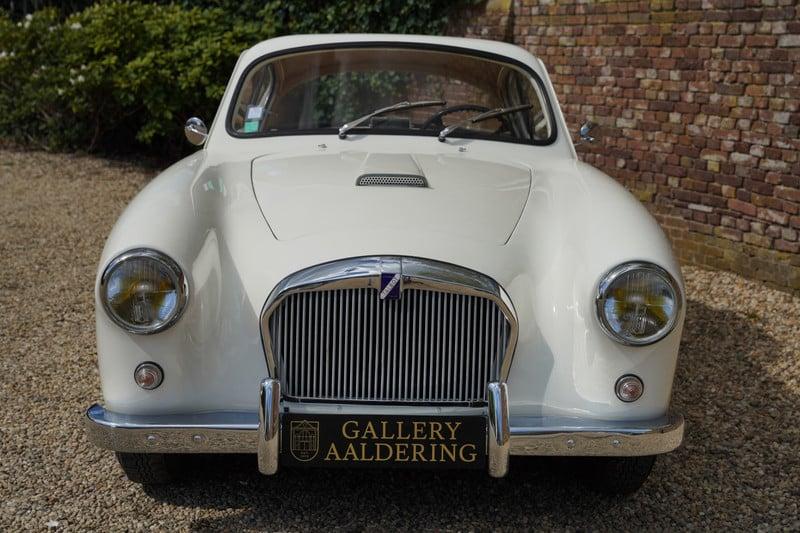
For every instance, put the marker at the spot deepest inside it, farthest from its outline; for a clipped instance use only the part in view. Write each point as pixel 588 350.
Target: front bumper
pixel 244 432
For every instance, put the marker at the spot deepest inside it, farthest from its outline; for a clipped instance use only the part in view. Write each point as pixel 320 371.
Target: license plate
pixel 375 441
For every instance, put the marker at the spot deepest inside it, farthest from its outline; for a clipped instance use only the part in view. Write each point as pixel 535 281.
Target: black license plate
pixel 375 441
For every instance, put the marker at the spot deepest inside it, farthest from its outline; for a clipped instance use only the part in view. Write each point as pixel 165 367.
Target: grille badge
pixel 390 286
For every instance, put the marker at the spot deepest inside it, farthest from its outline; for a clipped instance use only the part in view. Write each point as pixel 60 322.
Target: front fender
pixel 184 212
pixel 579 224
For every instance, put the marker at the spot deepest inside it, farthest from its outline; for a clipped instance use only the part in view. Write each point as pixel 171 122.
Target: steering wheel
pixel 436 118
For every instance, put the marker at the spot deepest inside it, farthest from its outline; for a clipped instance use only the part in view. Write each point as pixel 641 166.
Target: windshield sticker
pixel 255 112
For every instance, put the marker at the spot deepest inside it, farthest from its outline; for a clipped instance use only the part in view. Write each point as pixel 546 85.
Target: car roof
pixel 301 41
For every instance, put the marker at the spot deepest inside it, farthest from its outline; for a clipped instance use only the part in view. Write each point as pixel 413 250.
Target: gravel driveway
pixel 738 384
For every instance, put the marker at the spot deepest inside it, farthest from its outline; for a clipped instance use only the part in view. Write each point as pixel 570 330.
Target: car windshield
pixel 321 91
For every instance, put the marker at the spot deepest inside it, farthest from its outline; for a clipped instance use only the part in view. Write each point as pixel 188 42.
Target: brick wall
pixel 697 103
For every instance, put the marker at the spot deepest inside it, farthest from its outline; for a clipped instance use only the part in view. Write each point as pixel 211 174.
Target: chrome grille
pixel 425 347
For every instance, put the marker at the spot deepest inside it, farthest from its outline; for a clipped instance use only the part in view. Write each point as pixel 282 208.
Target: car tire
pixel 618 475
pixel 150 468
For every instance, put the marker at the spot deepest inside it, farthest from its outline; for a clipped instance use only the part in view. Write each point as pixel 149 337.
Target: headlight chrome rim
pixel 181 285
pixel 608 280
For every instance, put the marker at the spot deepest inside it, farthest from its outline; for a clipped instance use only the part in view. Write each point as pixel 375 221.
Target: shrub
pixel 427 17
pixel 117 75
pixel 123 76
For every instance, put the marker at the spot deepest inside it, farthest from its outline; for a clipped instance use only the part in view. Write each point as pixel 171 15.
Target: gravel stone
pixel 738 384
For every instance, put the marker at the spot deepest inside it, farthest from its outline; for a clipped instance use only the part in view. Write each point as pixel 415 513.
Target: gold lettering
pixel 471 456
pixel 383 432
pixel 371 430
pixel 354 434
pixel 418 453
pixel 400 435
pixel 402 452
pixel 449 450
pixel 364 453
pixel 378 447
pixel 350 453
pixel 452 427
pixel 333 451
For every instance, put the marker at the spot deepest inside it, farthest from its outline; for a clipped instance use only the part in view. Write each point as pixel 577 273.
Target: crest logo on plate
pixel 304 440
pixel 390 286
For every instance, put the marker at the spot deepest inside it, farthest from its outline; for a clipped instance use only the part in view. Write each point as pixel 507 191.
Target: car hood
pixel 310 194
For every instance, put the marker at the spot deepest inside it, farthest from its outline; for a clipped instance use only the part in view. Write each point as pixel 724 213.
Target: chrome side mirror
pixel 196 131
pixel 585 133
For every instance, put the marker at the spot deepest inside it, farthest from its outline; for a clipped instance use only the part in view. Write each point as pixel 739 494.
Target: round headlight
pixel 638 303
pixel 143 291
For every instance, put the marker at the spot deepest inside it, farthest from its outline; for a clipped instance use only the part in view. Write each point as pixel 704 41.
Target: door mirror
pixel 196 131
pixel 585 133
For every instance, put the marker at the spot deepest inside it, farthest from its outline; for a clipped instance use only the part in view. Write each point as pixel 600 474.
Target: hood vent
pixel 391 180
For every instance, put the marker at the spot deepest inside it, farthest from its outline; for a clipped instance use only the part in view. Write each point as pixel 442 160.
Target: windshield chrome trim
pixel 548 103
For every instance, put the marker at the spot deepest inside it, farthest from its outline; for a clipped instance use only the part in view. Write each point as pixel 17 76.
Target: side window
pixel 540 121
pixel 254 98
pixel 521 90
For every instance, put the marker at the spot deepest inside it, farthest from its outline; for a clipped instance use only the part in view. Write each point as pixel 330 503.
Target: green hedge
pixel 122 77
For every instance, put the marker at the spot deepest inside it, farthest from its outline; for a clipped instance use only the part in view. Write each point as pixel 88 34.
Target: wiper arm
pixel 486 115
pixel 395 107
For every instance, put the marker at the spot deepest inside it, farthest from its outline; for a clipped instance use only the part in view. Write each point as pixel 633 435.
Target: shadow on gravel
pixel 732 411
pixel 355 500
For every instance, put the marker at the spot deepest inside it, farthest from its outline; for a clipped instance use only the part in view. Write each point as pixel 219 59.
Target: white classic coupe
pixel 387 254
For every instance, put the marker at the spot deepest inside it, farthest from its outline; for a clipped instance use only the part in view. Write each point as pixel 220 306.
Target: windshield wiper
pixel 395 107
pixel 486 115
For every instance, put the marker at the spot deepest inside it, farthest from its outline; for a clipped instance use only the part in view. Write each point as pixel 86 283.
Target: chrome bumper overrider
pixel 240 432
